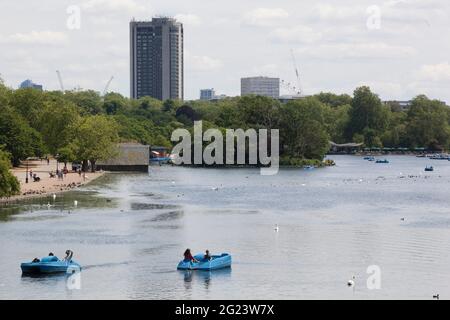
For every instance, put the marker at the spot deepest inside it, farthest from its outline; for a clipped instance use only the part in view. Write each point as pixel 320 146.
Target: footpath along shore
pixel 47 185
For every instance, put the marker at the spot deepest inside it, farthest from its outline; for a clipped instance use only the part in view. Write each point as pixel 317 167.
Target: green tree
pixel 9 185
pixel 428 123
pixel 334 100
pixel 28 102
pixel 258 111
pixel 55 120
pixel 89 102
pixel 115 103
pixel 66 154
pixel 302 132
pixel 18 138
pixel 367 116
pixel 94 138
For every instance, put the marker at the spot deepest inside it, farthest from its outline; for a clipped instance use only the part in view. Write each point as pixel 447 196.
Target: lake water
pixel 129 231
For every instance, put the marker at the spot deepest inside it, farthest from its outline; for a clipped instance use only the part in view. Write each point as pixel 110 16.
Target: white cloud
pixel 265 17
pixel 189 19
pixel 37 37
pixel 202 63
pixel 369 50
pixel 130 6
pixel 341 12
pixel 270 69
pixel 435 72
pixel 298 34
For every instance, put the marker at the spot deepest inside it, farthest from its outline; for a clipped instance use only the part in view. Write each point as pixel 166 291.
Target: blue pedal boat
pixel 50 265
pixel 216 262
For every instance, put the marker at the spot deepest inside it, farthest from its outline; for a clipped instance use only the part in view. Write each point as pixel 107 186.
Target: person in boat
pixel 188 256
pixel 51 254
pixel 69 255
pixel 207 255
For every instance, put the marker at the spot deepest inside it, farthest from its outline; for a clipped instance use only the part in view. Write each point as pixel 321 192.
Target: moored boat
pixel 382 161
pixel 429 168
pixel 216 262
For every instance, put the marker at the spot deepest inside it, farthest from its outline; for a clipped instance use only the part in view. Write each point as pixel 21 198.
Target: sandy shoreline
pixel 47 186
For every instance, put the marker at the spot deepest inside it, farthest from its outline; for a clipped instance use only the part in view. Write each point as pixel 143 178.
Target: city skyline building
pixel 263 86
pixel 157 59
pixel 30 84
pixel 207 94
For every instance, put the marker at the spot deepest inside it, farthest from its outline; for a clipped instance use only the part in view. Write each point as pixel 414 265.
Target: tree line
pixel 86 127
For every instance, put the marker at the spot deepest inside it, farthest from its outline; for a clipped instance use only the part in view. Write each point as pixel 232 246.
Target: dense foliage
pixel 9 185
pixel 84 126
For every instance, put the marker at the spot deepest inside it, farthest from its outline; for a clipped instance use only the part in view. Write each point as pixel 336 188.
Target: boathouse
pixel 131 157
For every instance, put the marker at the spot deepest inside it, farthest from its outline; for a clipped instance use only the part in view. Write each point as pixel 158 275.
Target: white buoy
pixel 54 196
pixel 276 228
pixel 75 203
pixel 351 282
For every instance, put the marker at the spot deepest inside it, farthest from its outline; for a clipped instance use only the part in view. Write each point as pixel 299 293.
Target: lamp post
pixel 26 177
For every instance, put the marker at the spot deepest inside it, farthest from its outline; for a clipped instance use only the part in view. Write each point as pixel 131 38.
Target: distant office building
pixel 263 86
pixel 30 84
pixel 156 59
pixel 399 105
pixel 220 97
pixel 207 94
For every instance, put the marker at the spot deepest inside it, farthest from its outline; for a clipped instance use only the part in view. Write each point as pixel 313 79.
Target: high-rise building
pixel 30 84
pixel 207 94
pixel 263 86
pixel 156 56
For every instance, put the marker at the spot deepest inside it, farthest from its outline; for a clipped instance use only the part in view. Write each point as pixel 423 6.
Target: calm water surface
pixel 129 232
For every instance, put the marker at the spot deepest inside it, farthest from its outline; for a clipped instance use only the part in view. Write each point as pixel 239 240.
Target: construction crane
pixel 297 74
pixel 60 80
pixel 289 86
pixel 107 86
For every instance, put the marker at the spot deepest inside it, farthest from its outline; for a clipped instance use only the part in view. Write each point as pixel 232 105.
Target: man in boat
pixel 207 255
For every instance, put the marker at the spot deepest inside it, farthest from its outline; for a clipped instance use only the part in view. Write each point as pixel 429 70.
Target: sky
pixel 400 48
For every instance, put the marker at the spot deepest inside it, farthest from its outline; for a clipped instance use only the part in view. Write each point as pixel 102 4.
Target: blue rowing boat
pixel 50 265
pixel 216 262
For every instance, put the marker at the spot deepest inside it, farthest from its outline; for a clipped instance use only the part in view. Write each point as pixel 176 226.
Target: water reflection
pixel 63 203
pixel 207 278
